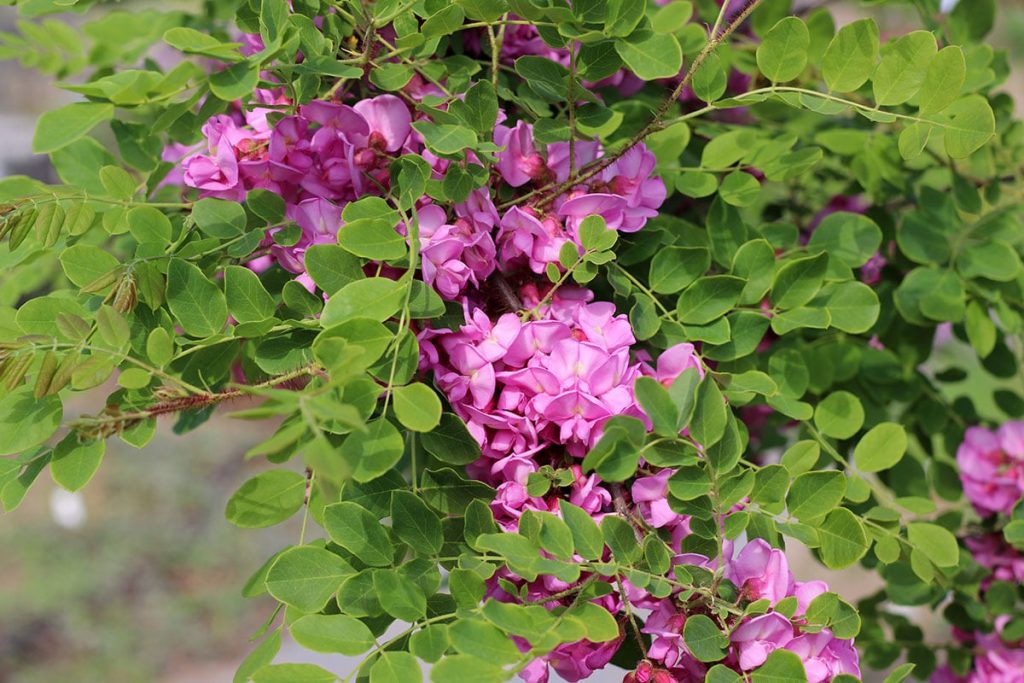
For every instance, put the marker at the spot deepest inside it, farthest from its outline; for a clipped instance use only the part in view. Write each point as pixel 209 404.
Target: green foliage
pixel 821 320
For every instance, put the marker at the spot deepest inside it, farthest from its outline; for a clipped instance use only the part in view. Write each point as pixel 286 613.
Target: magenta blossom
pixel 992 467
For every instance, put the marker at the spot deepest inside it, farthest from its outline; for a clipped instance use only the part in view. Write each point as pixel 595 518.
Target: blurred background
pixel 138 578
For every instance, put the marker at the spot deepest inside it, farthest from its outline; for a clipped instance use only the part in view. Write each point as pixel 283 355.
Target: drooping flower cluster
pixel 535 386
pixel 992 467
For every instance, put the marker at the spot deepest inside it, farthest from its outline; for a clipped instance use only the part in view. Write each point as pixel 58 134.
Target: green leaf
pixel 377 298
pixel 1014 533
pixel 449 492
pixel 815 494
pixel 913 139
pixel 118 183
pixel 938 544
pixel 843 541
pixel 782 666
pixel 840 415
pixel 900 673
pixel 710 80
pixel 853 307
pixel 354 528
pixel 25 421
pixel 555 536
pixel 191 41
pixel 658 405
pixel 656 56
pixel 159 346
pixel 994 260
pixel 673 268
pixel 331 267
pixel 881 448
pixel 709 298
pixel 396 667
pixel 704 639
pixel 60 127
pixel 416 524
pixel 372 238
pixel 451 442
pixel 943 80
pixel 849 237
pixel 399 596
pixel 972 125
pixel 219 218
pixel 391 76
pixel 600 624
pixel 479 109
pixel 446 138
pixel 850 58
pixel 739 188
pixel 463 668
pixel 198 304
pixel 710 415
pixel 417 406
pixel 430 643
pixel 782 54
pixel 586 535
pixel 267 499
pixel 73 464
pixel 903 68
pixel 480 639
pixel 799 280
pixel 719 673
pixel 801 456
pixel 262 655
pixel 247 298
pixel 981 331
pixel 372 453
pixel 85 264
pixel 443 22
pixel 293 673
pixel 305 577
pixel 332 633
pixel 236 82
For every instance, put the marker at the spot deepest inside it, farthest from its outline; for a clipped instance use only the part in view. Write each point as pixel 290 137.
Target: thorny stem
pixel 629 615
pixel 200 399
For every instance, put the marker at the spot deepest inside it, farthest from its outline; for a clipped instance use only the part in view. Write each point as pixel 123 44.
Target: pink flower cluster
pixel 535 385
pixel 995 661
pixel 329 154
pixel 992 467
pixel 760 572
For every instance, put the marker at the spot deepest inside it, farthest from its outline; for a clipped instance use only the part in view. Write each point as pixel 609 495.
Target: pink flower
pixel 587 493
pixel 579 660
pixel 519 162
pixel 996 662
pixel 674 361
pixel 992 467
pixel 524 236
pixel 992 552
pixel 761 571
pixel 824 656
pixel 630 178
pixel 759 637
pixel 651 496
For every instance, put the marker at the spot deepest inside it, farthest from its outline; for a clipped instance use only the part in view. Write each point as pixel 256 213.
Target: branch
pixel 113 422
